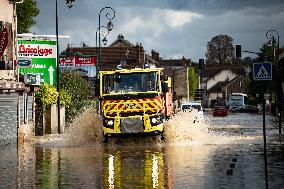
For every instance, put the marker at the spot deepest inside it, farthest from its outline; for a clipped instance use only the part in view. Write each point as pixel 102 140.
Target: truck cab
pixel 134 101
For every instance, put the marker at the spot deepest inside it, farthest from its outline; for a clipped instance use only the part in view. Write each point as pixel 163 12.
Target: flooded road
pixel 213 153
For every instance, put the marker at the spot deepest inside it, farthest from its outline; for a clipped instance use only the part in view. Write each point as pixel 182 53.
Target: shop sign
pixel 3 40
pixel 74 61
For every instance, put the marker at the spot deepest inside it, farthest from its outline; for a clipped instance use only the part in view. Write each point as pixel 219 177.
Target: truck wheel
pixel 162 138
pixel 106 139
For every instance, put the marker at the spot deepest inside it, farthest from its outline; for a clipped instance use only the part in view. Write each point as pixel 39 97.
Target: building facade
pixel 16 104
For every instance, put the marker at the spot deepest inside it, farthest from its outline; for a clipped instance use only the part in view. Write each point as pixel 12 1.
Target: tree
pixel 26 12
pixel 220 50
pixel 191 81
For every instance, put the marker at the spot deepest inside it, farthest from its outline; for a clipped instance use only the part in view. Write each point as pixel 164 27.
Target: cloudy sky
pixel 174 28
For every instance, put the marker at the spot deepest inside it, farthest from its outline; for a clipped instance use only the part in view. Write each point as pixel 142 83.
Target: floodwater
pixel 211 153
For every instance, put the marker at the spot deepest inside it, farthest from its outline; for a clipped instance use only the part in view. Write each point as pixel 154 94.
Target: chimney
pixel 155 55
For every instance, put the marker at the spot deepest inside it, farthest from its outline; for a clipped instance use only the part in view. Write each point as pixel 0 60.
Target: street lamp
pixel 69 4
pixel 109 14
pixel 270 35
pixel 104 34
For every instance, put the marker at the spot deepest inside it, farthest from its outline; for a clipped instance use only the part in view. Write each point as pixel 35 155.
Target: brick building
pixel 121 51
pixel 220 81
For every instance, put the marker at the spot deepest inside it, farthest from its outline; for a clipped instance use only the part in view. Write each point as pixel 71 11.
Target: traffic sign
pixel 262 71
pixel 199 94
pixel 25 63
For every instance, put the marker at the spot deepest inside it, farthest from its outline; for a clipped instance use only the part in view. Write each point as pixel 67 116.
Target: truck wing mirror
pixel 165 87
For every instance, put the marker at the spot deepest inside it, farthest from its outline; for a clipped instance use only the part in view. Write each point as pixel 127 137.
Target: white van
pixel 195 105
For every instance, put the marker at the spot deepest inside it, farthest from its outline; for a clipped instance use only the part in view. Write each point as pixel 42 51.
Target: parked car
pixel 220 111
pixel 195 105
pixel 248 109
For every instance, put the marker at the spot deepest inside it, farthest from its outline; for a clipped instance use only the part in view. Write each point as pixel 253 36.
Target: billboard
pixel 86 64
pixel 43 56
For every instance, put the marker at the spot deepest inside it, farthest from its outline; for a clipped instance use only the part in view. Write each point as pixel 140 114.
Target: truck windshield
pixel 130 82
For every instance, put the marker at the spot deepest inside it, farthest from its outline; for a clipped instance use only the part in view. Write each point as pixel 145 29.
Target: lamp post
pixel 69 4
pixel 104 43
pixel 271 35
pixel 109 14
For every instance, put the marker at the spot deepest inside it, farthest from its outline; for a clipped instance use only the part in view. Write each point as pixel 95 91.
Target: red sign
pixel 77 61
pixel 3 40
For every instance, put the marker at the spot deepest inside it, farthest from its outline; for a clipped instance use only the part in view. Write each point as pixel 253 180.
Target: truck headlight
pixel 154 120
pixel 110 122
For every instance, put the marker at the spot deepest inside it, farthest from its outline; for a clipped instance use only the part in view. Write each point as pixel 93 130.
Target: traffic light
pixel 201 64
pixel 238 51
pixel 199 93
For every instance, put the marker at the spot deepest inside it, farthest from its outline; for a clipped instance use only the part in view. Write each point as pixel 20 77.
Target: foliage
pixel 46 96
pixel 220 50
pixel 191 81
pixel 91 104
pixel 65 98
pixel 79 90
pixel 26 12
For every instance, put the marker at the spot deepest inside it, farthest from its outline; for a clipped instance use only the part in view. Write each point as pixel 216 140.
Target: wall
pixel 235 87
pixel 7 19
pixel 6 13
pixel 221 76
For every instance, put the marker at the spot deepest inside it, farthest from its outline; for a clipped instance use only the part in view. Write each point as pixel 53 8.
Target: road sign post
pixel 199 94
pixel 263 72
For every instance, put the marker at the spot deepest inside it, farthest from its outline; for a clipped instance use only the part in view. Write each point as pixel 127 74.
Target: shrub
pixel 46 96
pixel 79 90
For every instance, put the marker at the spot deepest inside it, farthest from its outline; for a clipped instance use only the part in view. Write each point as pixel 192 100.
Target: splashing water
pixel 184 127
pixel 85 130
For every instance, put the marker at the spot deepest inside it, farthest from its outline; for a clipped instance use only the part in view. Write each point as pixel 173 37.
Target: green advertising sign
pixel 43 54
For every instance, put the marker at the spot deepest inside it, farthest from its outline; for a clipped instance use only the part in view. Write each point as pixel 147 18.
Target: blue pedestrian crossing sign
pixel 262 71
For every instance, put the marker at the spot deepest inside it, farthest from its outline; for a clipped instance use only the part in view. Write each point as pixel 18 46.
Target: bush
pixel 79 90
pixel 46 96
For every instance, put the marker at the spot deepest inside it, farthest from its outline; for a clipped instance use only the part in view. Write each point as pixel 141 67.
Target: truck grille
pixel 132 125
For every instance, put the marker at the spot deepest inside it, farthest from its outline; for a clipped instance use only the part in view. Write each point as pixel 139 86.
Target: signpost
pixel 263 72
pixel 42 67
pixel 199 94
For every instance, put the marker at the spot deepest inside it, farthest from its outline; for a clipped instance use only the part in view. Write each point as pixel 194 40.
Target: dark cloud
pixel 175 28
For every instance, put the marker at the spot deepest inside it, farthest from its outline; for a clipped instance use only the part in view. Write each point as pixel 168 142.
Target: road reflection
pixel 136 166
